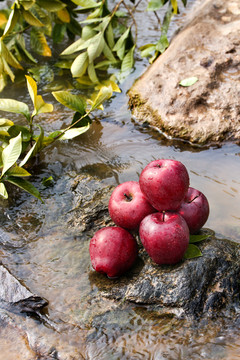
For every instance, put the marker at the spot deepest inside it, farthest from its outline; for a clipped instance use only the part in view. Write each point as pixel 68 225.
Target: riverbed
pixel 51 257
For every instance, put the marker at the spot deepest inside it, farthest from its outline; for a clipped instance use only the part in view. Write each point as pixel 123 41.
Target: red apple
pixel 128 205
pixel 194 209
pixel 165 183
pixel 165 236
pixel 113 251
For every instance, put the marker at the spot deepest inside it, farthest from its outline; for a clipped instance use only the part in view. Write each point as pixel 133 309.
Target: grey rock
pixel 207 47
pixel 15 296
pixel 207 285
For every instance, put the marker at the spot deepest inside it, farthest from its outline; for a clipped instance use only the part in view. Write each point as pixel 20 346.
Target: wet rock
pixel 208 47
pixel 208 285
pixel 14 294
pixel 90 209
pixel 35 335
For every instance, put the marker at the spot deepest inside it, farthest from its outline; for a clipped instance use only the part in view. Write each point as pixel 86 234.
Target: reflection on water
pixel 50 256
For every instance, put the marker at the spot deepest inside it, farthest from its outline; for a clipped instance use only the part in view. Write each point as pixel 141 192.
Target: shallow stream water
pixel 49 258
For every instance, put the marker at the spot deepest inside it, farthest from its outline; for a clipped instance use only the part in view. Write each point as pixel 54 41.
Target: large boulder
pixel 208 47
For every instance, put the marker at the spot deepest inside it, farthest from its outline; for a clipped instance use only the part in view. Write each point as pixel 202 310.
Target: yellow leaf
pixel 39 42
pixel 39 104
pixel 32 88
pixel 3 19
pixel 174 6
pixel 63 15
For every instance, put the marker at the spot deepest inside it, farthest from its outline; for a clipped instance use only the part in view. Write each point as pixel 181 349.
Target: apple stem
pixel 128 197
pixel 163 215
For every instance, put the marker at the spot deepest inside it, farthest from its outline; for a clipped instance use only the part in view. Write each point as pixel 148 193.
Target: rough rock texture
pixel 207 285
pixel 202 286
pixel 16 296
pixel 208 47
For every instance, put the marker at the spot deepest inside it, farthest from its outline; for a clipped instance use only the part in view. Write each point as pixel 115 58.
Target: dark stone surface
pixel 208 285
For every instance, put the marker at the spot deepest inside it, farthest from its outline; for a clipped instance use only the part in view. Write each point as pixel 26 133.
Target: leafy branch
pixel 104 40
pixel 19 144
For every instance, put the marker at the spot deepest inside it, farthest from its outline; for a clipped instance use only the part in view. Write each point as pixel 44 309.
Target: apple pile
pixel 162 207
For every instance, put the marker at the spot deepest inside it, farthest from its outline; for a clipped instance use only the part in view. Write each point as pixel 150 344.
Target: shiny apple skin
pixel 164 182
pixel 165 237
pixel 113 251
pixel 128 205
pixel 194 209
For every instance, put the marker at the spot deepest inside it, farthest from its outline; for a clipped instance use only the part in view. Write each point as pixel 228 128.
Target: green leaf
pixel 8 70
pixel 96 47
pixel 80 65
pixel 42 73
pixel 162 44
pixel 6 122
pixel 25 185
pixel 188 81
pixel 197 238
pixel 108 53
pixel 72 133
pixel 104 94
pixel 39 142
pixel 3 191
pixel 15 130
pixel 120 43
pixel 105 63
pixel 192 252
pixel 72 101
pixel 58 33
pixel 28 155
pixel 52 5
pixel 12 21
pixel 88 32
pixel 92 74
pixel 110 36
pixel 154 5
pixel 31 19
pixel 15 106
pixel 128 61
pixel 27 4
pixel 47 181
pixel 17 171
pixel 39 43
pixel 9 57
pixel 86 3
pixel 78 45
pixel 20 43
pixel 11 153
pixel 147 49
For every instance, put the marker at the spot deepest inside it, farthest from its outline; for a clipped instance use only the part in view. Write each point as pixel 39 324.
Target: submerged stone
pixel 16 296
pixel 208 48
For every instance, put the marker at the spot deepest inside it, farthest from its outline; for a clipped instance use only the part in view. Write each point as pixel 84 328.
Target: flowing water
pixel 52 260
